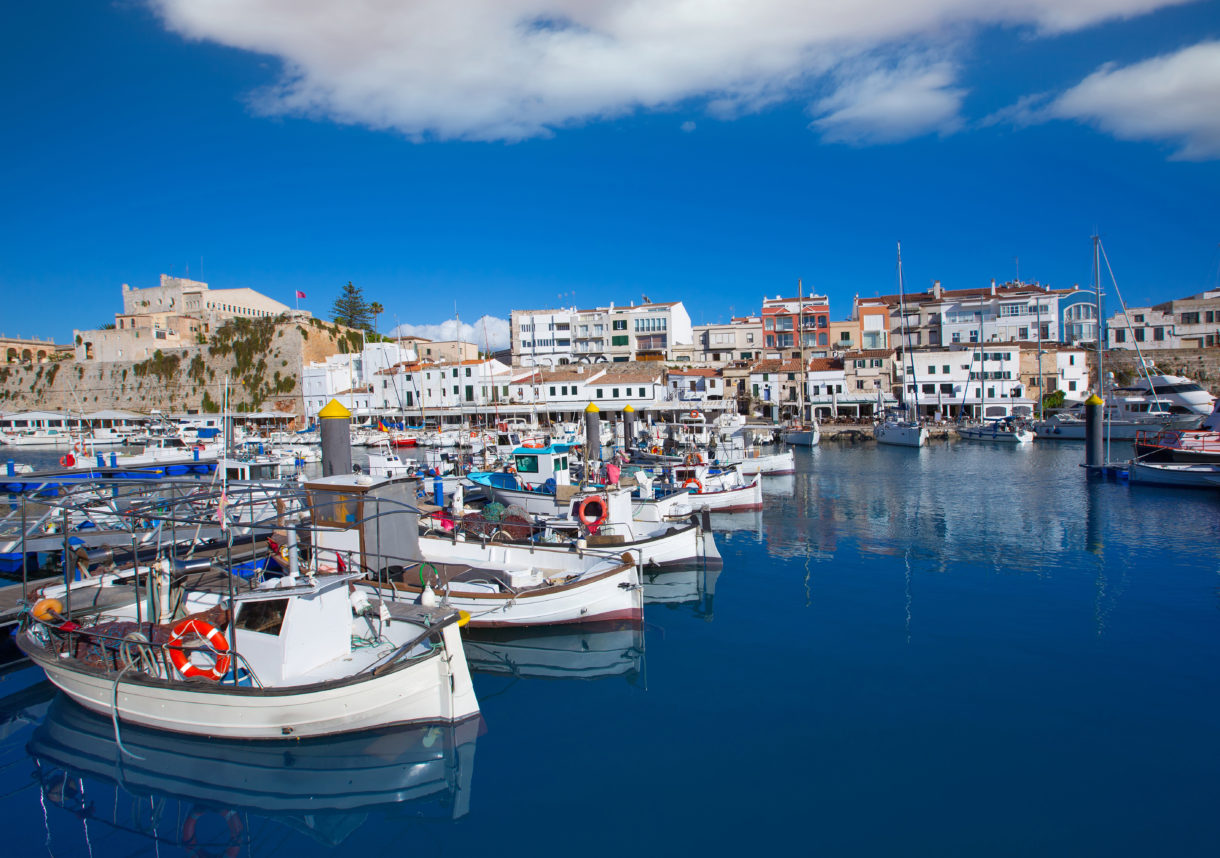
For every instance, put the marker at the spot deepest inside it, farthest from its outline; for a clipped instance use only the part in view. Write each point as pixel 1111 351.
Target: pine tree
pixel 350 308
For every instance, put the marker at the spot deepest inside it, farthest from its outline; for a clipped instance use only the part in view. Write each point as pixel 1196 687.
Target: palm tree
pixel 376 309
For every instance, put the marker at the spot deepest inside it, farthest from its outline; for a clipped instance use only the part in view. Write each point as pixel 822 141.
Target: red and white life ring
pixel 203 631
pixel 694 415
pixel 593 522
pixel 190 840
pixel 67 460
pixel 693 482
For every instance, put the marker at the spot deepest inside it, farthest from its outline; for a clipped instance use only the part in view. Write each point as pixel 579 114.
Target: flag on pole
pixel 300 294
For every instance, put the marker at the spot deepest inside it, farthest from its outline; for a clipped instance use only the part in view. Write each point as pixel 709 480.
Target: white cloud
pixel 498 333
pixel 511 69
pixel 1173 98
pixel 883 105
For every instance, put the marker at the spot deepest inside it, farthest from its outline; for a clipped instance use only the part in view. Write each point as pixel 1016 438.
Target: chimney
pixel 992 285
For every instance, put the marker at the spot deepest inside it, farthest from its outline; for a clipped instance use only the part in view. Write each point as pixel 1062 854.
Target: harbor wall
pixel 262 357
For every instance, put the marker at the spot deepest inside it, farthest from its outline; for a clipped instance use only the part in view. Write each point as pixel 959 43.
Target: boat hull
pixel 416 693
pixel 901 435
pixel 1178 475
pixel 742 499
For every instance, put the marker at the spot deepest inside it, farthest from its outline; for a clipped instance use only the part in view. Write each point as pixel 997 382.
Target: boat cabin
pixel 362 522
pixel 538 466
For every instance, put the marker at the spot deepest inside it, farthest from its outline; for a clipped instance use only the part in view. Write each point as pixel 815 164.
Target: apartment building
pixel 1061 368
pixel 634 332
pixel 982 382
pixel 741 338
pixel 1183 323
pixel 790 324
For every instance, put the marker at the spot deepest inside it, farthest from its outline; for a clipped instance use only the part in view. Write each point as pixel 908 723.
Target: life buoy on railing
pixel 693 482
pixel 67 460
pixel 204 631
pixel 592 520
pixel 190 841
pixel 694 415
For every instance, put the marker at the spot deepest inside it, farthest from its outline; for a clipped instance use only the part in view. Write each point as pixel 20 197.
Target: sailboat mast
pixel 1101 346
pixel 906 334
pixel 800 341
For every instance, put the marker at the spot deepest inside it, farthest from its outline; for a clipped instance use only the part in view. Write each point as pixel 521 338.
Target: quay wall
pixel 262 357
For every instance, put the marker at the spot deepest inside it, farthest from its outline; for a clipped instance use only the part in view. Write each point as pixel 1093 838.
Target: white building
pixel 977 382
pixel 696 386
pixel 600 335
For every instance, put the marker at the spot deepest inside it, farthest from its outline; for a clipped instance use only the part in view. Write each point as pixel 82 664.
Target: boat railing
pixel 133 650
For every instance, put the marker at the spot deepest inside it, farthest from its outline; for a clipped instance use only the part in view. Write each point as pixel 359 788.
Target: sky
pixel 472 156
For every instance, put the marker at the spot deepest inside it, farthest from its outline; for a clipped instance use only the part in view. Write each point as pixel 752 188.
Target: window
pixel 1138 318
pixel 468 372
pixel 619 325
pixel 946 388
pixel 1190 318
pixel 792 376
pixel 615 392
pixel 821 339
pixel 1158 334
pixel 1023 333
pixel 859 384
pixel 642 394
pixel 552 393
pixel 599 393
pixel 1071 385
pixel 932 369
pixel 526 464
pixel 957 337
pixel 619 340
pixel 929 388
pixel 745 355
pixel 1139 335
pixel 875 362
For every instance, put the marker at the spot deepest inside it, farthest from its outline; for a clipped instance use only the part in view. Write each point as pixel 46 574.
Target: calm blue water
pixel 960 650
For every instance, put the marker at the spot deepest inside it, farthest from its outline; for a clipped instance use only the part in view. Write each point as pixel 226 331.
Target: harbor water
pixel 956 650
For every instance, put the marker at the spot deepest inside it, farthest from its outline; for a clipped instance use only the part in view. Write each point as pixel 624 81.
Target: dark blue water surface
pixel 961 650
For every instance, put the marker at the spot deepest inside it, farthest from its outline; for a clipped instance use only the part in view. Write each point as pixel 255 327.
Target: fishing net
pixel 493 511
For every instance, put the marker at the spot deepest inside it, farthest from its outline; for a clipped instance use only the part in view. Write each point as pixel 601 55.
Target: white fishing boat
pixel 753 461
pixel 504 585
pixel 1193 475
pixel 272 660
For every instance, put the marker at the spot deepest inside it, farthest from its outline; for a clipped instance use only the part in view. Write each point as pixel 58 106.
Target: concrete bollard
pixel 593 437
pixel 336 439
pixel 1094 433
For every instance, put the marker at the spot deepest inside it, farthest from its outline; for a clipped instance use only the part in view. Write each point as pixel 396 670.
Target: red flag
pixel 300 294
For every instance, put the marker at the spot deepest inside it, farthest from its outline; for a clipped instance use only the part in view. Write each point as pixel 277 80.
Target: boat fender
pixel 48 610
pixel 204 631
pixel 360 602
pixel 190 841
pixel 693 482
pixel 67 460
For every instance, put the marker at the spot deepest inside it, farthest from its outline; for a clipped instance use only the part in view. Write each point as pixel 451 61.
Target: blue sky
pixel 531 153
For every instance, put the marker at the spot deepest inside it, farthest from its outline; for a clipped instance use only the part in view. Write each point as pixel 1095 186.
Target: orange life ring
pixel 693 482
pixel 204 631
pixel 694 414
pixel 690 459
pixel 67 460
pixel 191 843
pixel 533 446
pixel 590 521
pixel 512 469
pixel 656 451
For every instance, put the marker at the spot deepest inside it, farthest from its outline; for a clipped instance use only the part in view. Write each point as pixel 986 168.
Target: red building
pixel 783 318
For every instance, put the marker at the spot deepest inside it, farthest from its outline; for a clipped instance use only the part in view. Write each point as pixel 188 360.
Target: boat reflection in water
pixel 694 588
pixel 209 795
pixel 585 651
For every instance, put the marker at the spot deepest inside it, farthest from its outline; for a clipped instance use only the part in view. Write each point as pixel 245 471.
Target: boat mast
pixel 800 341
pixel 1101 347
pixel 906 335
